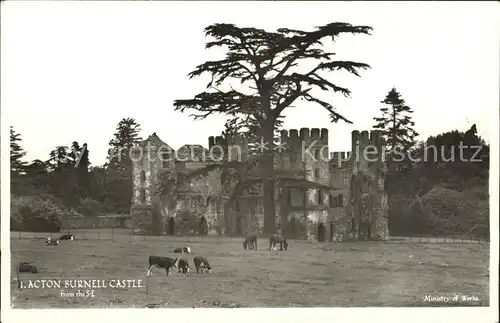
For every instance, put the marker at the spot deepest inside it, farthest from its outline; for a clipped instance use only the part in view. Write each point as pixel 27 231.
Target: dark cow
pixel 277 238
pixel 162 262
pixel 250 242
pixel 182 250
pixel 201 264
pixel 183 266
pixel 25 267
pixel 67 237
pixel 51 242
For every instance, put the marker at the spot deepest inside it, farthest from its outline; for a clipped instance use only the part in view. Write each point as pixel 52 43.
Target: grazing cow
pixel 201 264
pixel 162 262
pixel 67 237
pixel 50 242
pixel 182 250
pixel 250 242
pixel 183 266
pixel 25 267
pixel 276 238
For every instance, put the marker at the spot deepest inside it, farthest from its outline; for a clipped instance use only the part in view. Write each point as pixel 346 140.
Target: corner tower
pixel 148 158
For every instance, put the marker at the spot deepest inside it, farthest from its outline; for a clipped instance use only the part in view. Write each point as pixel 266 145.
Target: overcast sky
pixel 71 70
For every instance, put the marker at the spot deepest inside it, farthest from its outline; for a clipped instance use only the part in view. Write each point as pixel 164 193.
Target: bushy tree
pixel 445 189
pixel 68 175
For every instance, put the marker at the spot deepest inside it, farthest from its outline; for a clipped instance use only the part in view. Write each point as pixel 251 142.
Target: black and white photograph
pixel 250 154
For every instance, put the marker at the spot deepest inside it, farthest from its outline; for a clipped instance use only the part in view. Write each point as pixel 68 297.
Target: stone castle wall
pixel 368 179
pixel 319 216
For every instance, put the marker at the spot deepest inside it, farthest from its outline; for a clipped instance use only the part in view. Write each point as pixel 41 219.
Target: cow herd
pixel 250 242
pixel 55 242
pixel 201 264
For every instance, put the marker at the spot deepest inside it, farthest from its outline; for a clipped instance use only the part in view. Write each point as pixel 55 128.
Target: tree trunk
pixel 267 168
pixel 269 206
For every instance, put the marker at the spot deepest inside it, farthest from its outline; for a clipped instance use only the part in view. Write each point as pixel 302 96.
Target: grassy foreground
pixel 309 274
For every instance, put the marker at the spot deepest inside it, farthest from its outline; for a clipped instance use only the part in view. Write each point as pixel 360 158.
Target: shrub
pixel 30 213
pixel 90 207
pixel 446 211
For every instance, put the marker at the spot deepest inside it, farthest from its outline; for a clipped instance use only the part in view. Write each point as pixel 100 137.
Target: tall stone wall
pixel 149 158
pixel 339 220
pixel 368 198
pixel 142 216
pixel 306 153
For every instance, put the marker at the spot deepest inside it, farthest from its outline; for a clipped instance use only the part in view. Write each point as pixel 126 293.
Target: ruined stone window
pixel 320 197
pixel 341 200
pixel 165 158
pixel 316 173
pixel 330 200
pixel 143 176
pixel 293 157
pixel 142 195
pixel 237 206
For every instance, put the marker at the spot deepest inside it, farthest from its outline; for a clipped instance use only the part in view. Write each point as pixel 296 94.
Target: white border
pixel 373 314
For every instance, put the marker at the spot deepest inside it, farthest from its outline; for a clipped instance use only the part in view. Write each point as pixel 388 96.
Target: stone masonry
pixel 350 194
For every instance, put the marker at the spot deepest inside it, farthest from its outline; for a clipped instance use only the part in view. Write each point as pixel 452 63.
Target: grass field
pixel 309 274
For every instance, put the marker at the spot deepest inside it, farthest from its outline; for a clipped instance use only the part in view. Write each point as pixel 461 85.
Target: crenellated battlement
pixel 366 138
pixel 226 142
pixel 234 148
pixel 295 137
pixel 367 147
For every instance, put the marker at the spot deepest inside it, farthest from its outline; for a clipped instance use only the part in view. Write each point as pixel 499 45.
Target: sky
pixel 72 70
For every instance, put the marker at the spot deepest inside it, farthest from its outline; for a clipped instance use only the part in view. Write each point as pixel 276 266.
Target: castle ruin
pixel 336 196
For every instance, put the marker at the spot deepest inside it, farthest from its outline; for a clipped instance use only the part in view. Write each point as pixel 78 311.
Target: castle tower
pixel 305 211
pixel 148 158
pixel 340 174
pixel 367 195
